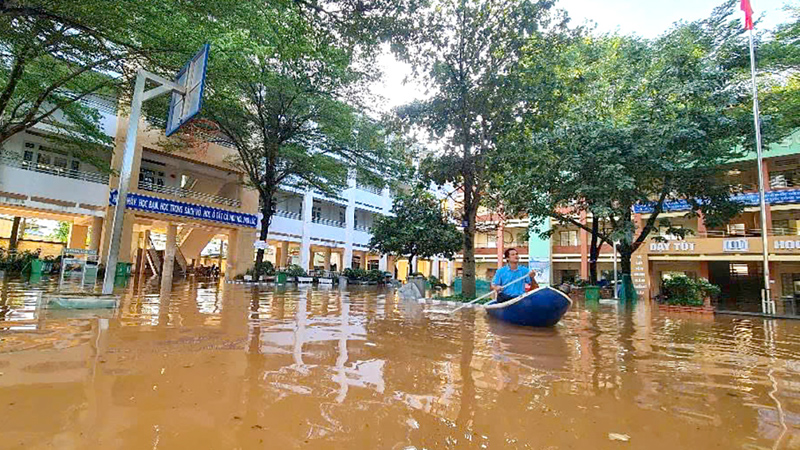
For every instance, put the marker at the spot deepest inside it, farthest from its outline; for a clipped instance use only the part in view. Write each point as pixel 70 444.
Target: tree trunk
pixel 593 251
pixel 471 202
pixel 14 238
pixel 267 212
pixel 468 267
pixel 626 254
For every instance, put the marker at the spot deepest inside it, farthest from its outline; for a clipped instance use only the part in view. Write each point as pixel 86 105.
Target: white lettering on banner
pixel 787 245
pixel 735 245
pixel 681 246
pixel 157 205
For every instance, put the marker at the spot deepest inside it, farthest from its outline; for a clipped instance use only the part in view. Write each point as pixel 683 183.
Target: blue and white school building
pixel 188 199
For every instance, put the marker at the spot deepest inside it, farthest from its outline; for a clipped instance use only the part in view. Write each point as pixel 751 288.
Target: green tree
pixel 646 122
pixel 468 54
pixel 61 233
pixel 418 227
pixel 293 112
pixel 60 58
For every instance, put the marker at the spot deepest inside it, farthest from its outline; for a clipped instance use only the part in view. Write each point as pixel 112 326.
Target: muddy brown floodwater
pixel 238 367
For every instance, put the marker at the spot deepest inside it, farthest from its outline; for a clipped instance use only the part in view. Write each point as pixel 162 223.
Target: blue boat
pixel 542 307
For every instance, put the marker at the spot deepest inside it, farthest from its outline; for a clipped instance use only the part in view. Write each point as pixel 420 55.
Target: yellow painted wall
pixel 48 248
pixel 402 270
pixel 5 227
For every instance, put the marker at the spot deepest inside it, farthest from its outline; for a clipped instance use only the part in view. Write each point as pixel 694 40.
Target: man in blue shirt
pixel 509 273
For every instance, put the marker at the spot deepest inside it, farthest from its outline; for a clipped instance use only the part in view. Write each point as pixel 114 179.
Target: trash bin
pixel 592 293
pixel 281 278
pixel 123 269
pixel 36 266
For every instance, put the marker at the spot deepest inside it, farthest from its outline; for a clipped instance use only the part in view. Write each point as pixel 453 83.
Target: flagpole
pixel 767 305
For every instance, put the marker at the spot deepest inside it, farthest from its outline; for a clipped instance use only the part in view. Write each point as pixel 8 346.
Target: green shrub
pixel 682 290
pixel 355 273
pixel 17 262
pixel 295 271
pixel 435 282
pixel 375 275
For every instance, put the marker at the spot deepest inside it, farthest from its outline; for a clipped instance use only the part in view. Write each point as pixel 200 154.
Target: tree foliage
pixel 646 122
pixel 289 96
pixel 418 227
pixel 60 58
pixel 469 55
pixel 61 233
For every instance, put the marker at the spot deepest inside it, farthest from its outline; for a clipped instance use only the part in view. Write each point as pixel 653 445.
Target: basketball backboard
pixel 182 107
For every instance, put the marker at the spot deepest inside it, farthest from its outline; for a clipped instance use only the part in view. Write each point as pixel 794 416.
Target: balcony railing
pixel 328 222
pixel 288 214
pixel 369 188
pixel 92 177
pixel 186 193
pixel 753 232
pixel 506 245
pixel 364 228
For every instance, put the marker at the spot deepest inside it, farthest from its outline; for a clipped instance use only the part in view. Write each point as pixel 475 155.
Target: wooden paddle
pixel 490 293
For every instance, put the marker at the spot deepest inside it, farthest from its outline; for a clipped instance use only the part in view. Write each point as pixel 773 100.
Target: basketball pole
pixel 129 152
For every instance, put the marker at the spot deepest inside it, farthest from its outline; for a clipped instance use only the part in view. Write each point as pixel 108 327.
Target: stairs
pixel 155 261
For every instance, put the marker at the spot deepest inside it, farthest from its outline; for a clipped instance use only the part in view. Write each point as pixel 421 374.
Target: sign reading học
pixel 163 206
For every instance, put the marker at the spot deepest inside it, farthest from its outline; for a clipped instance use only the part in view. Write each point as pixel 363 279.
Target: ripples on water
pixel 229 366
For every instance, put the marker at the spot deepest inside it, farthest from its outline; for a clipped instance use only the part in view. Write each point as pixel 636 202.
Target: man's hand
pixel 532 274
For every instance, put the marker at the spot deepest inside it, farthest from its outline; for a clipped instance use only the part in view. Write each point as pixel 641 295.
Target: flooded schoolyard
pixel 224 366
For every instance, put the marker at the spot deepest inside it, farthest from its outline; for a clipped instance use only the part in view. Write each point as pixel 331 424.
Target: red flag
pixel 748 14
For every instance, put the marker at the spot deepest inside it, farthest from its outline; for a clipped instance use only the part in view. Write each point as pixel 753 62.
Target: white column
pixel 350 220
pixel 305 245
pixel 387 201
pixel 169 257
pixel 451 270
pixel 384 262
pixel 435 266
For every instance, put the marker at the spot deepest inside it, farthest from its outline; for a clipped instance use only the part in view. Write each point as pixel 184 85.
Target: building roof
pixel 789 146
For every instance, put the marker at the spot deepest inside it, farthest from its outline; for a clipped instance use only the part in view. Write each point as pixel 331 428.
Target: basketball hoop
pixel 198 134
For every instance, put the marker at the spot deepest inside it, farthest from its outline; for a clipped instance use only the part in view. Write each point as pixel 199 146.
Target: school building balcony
pixel 56 187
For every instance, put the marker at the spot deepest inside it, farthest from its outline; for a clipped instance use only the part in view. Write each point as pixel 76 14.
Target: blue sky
pixel 646 18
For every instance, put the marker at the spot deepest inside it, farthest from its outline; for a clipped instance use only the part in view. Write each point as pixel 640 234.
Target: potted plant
pixel 265 271
pixel 375 276
pixel 683 294
pixel 298 274
pixel 435 283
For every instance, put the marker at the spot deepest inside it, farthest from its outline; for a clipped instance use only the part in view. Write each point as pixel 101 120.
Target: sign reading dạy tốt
pixel 163 206
pixel 680 246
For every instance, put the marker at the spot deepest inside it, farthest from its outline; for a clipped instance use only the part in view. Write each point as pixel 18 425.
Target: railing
pixel 93 177
pixel 369 188
pixel 323 274
pixel 288 214
pixel 364 228
pixel 186 193
pixel 506 245
pixel 328 222
pixel 754 232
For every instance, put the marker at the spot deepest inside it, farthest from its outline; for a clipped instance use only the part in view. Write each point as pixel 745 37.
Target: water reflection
pixel 227 366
